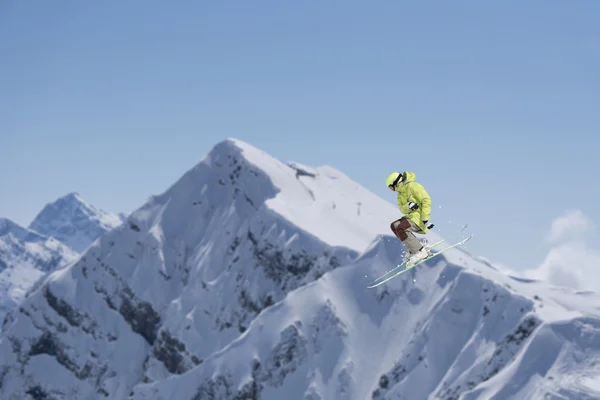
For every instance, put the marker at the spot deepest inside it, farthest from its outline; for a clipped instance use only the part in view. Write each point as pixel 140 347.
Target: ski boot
pixel 426 247
pixel 412 258
pixel 418 256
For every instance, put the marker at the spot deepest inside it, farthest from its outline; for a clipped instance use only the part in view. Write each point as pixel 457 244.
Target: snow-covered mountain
pixel 74 222
pixel 25 256
pixel 55 238
pixel 247 278
pixel 454 329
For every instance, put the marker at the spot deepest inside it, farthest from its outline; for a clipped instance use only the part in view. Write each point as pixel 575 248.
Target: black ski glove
pixel 427 224
pixel 413 206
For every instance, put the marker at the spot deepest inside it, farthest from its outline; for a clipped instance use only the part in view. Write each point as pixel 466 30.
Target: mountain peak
pixel 231 148
pixel 72 196
pixel 73 221
pixel 71 200
pixel 309 197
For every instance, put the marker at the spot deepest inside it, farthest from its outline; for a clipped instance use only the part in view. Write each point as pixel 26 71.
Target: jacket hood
pixel 408 176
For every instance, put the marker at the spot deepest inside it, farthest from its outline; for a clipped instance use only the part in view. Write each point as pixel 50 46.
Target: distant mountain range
pixel 56 237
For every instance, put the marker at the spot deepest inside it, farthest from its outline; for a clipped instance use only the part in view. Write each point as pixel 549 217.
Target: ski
pixel 422 261
pixel 431 247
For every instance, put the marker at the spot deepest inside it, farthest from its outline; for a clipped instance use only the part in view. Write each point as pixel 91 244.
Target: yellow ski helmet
pixel 392 180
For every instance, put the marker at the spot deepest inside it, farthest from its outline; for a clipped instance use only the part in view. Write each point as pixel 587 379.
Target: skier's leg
pixel 417 250
pixel 403 229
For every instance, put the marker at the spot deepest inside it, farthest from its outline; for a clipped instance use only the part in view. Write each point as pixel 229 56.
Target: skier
pixel 415 203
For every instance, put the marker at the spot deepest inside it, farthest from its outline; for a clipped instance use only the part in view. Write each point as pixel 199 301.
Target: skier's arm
pixel 423 199
pixel 402 206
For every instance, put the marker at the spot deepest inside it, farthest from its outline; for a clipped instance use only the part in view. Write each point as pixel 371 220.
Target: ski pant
pixel 403 228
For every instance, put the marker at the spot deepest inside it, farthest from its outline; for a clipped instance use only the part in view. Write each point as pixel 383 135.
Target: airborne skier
pixel 415 203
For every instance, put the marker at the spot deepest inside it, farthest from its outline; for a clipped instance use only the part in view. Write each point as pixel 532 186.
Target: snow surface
pixel 25 256
pixel 74 222
pixel 246 279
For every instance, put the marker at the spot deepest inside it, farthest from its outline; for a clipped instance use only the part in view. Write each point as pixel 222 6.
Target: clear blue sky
pixel 496 107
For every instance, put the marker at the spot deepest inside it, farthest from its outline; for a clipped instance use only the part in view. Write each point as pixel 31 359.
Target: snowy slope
pixel 24 257
pixel 74 222
pixel 246 279
pixel 452 329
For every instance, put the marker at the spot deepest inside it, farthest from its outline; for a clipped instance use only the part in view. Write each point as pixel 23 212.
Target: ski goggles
pixel 395 183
